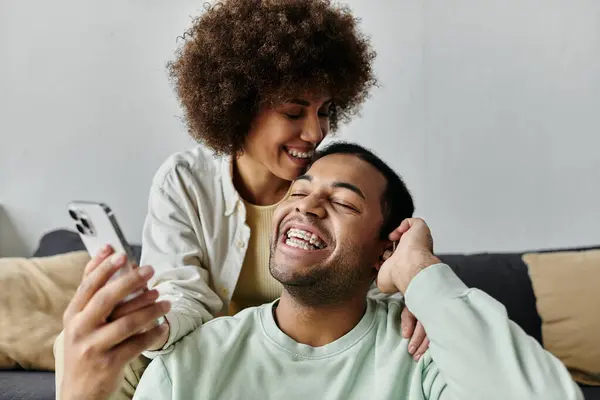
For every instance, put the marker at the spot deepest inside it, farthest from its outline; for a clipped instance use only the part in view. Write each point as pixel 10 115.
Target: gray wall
pixel 487 108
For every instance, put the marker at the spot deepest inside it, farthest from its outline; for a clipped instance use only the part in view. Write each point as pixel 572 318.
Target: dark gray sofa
pixel 503 276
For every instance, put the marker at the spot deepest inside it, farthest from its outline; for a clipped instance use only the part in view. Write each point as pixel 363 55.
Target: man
pixel 324 340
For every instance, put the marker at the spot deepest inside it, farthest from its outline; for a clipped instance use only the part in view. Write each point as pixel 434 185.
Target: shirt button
pixel 241 244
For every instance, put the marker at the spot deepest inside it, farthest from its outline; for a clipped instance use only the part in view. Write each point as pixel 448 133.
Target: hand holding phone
pixel 97 227
pixel 102 333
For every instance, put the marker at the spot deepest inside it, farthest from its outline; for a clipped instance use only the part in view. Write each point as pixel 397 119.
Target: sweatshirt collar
pixel 299 350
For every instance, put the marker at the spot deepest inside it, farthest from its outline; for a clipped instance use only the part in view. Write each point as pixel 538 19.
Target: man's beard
pixel 325 285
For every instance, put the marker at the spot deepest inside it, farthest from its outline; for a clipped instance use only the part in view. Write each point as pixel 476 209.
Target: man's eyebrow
pixel 304 178
pixel 337 184
pixel 349 186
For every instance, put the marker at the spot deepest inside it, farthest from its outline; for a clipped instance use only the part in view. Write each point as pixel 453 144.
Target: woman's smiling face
pixel 283 137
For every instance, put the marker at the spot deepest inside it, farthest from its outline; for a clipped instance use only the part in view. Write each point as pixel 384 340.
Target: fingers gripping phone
pixel 97 227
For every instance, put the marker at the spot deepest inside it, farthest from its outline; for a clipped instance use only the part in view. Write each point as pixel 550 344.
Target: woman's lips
pixel 303 162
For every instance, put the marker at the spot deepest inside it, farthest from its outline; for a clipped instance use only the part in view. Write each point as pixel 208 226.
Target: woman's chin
pixel 289 173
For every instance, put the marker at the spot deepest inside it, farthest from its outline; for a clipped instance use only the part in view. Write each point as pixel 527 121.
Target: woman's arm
pixel 177 252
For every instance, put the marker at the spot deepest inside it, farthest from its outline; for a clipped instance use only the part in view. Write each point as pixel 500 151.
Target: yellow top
pixel 255 285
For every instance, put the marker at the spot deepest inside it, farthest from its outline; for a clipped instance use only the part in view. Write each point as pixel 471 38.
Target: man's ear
pixel 385 251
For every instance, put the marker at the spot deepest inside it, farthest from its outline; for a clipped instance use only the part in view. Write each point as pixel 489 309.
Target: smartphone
pixel 97 226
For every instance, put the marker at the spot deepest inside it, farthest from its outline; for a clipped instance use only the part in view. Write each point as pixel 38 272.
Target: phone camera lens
pixel 73 214
pixel 85 223
pixel 80 229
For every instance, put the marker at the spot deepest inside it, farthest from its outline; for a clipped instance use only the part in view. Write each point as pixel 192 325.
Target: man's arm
pixel 478 351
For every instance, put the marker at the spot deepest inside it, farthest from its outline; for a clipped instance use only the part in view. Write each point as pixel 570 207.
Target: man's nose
pixel 311 205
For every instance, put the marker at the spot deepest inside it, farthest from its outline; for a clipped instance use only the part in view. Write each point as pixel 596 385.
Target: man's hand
pixel 413 253
pixel 136 304
pixel 131 305
pixel 162 339
pixel 102 334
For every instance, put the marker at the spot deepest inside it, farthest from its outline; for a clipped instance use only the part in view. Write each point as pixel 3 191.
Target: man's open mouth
pixel 304 239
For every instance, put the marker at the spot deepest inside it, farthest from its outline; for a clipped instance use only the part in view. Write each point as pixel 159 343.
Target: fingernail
pixel 105 249
pixel 417 356
pixel 165 306
pixel 118 259
pixel 412 349
pixel 146 271
pixel 405 333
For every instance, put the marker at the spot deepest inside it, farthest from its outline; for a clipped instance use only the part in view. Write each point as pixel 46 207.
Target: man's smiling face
pixel 327 233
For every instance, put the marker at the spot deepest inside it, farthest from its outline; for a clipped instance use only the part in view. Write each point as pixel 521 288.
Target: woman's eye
pixel 294 116
pixel 297 194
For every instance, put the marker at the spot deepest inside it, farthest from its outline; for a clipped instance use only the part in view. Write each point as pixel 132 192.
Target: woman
pixel 261 84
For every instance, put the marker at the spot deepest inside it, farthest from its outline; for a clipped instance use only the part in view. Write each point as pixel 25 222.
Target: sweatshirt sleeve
pixel 478 351
pixel 177 253
pixel 155 383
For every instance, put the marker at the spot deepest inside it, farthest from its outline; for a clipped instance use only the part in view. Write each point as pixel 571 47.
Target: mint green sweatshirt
pixel 476 353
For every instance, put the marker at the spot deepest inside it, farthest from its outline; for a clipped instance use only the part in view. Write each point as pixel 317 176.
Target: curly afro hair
pixel 242 54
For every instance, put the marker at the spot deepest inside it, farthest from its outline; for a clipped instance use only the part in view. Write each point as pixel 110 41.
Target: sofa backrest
pixel 62 241
pixel 505 277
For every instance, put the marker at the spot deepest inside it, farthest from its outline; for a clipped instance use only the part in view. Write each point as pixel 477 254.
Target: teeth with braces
pixel 306 239
pixel 300 244
pixel 298 154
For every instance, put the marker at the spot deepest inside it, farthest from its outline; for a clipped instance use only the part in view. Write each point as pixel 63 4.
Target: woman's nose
pixel 312 131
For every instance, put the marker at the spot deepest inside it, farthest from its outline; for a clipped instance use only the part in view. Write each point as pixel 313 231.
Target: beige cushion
pixel 33 296
pixel 567 289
